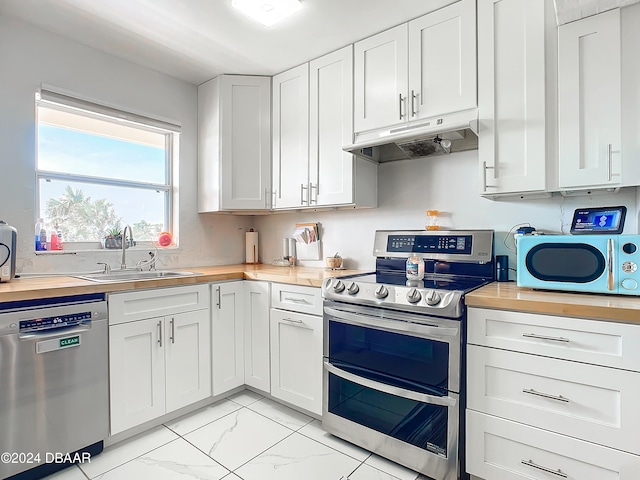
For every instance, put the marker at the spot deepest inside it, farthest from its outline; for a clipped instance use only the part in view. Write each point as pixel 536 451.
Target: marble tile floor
pixel 244 437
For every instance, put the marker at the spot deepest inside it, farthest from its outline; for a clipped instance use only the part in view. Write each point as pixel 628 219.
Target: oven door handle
pixel 391 325
pixel 390 389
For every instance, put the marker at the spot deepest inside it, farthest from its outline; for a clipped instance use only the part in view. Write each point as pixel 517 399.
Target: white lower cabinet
pixel 551 396
pixel 227 336
pixel 296 359
pixel 499 449
pixel 257 371
pixel 158 363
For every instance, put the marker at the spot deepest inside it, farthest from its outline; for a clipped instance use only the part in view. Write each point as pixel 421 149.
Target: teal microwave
pixel 580 263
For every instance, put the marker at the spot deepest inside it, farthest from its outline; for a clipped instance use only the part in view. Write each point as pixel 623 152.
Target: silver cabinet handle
pixel 400 105
pixel 292 320
pixel 219 303
pixel 266 198
pixel 295 300
pixel 484 176
pixel 610 279
pixel 609 161
pixel 544 337
pixel 173 332
pixel 160 333
pixel 560 473
pixel 303 187
pixel 559 398
pixel 313 188
pixel 413 103
pixel 273 198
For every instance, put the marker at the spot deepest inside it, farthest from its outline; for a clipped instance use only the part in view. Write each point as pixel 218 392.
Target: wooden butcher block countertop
pixel 507 296
pixel 29 288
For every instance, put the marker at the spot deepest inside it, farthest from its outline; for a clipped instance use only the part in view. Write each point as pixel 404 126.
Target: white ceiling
pixel 196 40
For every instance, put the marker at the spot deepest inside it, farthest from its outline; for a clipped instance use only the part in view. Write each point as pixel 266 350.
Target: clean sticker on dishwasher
pixel 57 344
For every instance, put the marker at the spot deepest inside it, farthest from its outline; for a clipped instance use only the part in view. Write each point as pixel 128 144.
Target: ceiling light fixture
pixel 267 12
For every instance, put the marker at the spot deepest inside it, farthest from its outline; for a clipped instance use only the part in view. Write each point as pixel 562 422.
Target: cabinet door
pixel 589 103
pixel 296 359
pixel 331 127
pixel 291 137
pixel 245 149
pixel 442 61
pixel 256 335
pixel 136 373
pixel 187 358
pixel 234 143
pixel 227 336
pixel 511 96
pixel 380 80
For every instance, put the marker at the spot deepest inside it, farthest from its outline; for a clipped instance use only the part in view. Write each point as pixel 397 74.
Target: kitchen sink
pixel 133 275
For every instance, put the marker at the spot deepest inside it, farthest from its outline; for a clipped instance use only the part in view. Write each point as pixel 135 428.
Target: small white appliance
pixel 8 242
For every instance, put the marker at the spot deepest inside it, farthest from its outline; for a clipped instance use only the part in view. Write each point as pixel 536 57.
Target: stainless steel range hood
pixel 451 133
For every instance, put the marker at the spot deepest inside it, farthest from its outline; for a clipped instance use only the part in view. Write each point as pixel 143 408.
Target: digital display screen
pixel 598 220
pixel 51 323
pixel 456 244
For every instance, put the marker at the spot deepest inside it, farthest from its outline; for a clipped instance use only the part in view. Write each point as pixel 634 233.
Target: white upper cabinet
pixel 513 60
pixel 312 120
pixel 381 75
pixel 442 61
pixel 291 137
pixel 589 102
pixel 417 70
pixel 234 143
pixel 331 127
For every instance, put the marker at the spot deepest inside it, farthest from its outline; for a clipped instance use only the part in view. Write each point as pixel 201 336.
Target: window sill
pixel 94 247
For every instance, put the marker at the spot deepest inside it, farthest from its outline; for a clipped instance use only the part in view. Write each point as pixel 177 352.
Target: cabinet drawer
pixel 598 404
pixel 296 298
pixel 591 341
pixel 499 449
pixel 131 306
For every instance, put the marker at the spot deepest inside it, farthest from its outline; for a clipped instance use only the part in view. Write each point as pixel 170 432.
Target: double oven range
pixel 393 379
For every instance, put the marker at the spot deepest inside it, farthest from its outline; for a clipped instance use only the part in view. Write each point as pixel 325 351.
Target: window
pixel 99 169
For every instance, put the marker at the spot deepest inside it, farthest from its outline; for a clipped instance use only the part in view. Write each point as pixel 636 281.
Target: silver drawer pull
pixel 543 337
pixel 560 473
pixel 296 300
pixel 292 320
pixel 559 398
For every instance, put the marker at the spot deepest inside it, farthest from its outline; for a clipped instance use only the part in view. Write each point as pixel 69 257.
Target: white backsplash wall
pixel 30 57
pixel 445 183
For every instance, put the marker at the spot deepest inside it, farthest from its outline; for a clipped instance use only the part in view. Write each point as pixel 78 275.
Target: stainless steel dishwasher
pixel 53 383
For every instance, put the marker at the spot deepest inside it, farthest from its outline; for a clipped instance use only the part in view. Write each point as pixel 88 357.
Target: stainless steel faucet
pixel 123 264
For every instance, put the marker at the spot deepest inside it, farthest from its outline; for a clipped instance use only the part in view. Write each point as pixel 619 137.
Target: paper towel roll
pixel 251 247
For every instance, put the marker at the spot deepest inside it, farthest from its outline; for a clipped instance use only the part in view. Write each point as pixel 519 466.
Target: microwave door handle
pixel 610 259
pixel 390 325
pixel 390 389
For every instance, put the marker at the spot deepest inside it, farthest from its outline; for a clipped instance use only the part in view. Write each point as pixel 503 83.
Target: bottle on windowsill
pixel 40 236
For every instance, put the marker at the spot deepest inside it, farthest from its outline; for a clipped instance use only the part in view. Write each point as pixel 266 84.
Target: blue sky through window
pixel 69 151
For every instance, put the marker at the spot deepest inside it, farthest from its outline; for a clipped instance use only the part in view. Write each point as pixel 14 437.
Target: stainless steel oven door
pixel 366 408
pixel 417 348
pixel 390 384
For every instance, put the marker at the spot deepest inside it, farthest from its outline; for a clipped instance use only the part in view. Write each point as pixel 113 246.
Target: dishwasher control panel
pixel 52 323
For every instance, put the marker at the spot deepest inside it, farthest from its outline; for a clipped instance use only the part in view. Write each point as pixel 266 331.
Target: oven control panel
pixel 443 303
pixel 474 246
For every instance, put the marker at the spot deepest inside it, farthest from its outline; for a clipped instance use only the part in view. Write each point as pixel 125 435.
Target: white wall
pixel 446 183
pixel 30 57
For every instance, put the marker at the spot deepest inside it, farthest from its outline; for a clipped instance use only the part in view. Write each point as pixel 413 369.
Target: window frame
pixel 48 98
